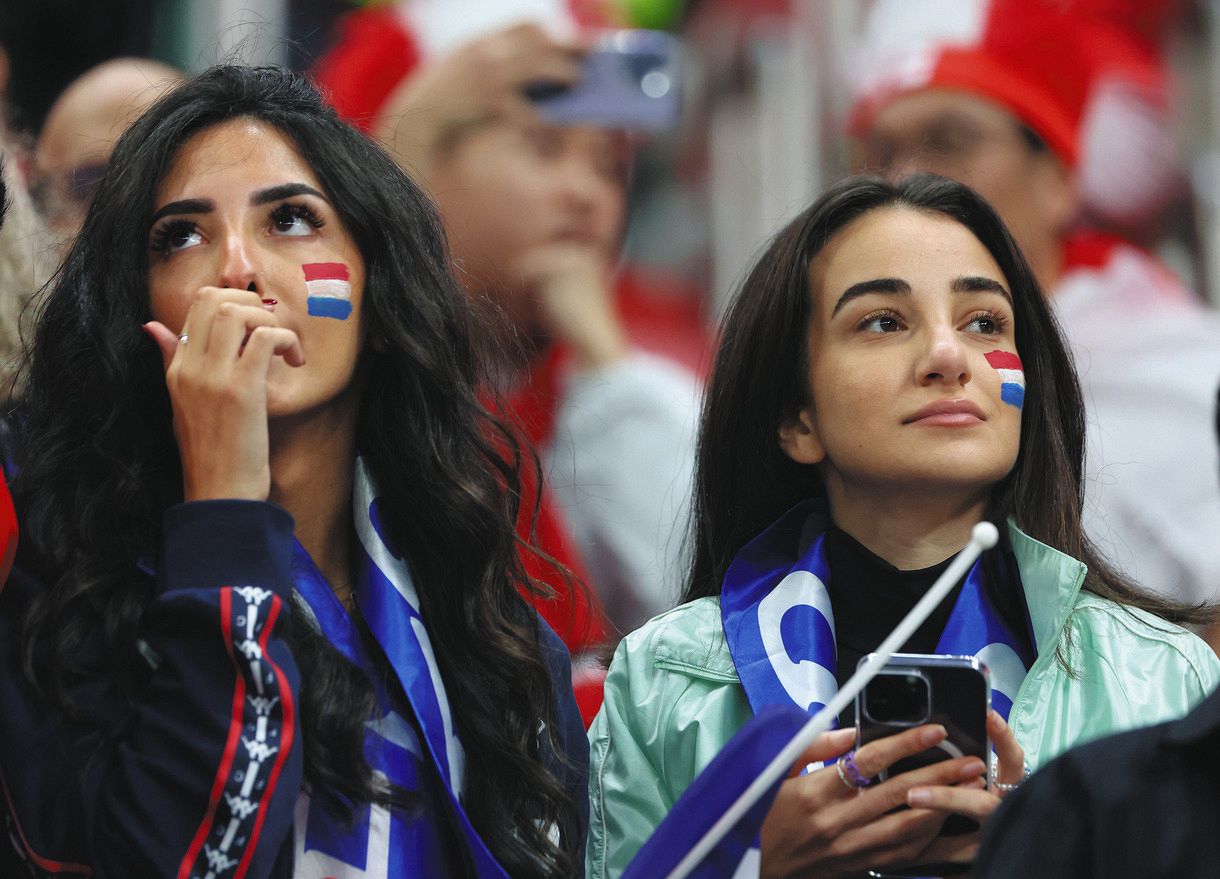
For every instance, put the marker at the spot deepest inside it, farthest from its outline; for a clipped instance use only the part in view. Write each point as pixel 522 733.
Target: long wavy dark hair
pixel 744 481
pixel 98 466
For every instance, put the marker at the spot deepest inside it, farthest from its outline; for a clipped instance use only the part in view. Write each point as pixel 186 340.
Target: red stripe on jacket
pixel 236 723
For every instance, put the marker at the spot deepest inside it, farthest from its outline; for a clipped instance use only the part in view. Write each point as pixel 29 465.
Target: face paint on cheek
pixel 328 289
pixel 1012 376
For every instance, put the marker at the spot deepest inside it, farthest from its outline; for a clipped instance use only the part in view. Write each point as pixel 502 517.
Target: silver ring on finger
pixel 184 338
pixel 850 774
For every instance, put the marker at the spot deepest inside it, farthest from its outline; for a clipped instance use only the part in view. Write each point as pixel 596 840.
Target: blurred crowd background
pixel 1092 125
pixel 768 85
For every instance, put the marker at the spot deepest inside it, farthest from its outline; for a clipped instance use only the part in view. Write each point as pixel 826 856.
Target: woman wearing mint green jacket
pixel 889 375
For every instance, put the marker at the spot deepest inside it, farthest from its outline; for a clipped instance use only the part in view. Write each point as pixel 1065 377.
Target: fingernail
pixel 919 796
pixel 932 735
pixel 842 736
pixel 973 769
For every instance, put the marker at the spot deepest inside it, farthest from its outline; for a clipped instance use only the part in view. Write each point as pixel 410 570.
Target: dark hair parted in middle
pixel 744 481
pixel 99 465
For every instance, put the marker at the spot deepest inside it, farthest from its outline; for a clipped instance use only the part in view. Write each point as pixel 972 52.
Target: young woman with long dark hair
pixel 888 376
pixel 267 615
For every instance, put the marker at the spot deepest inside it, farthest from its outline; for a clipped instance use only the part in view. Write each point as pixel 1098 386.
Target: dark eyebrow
pixel 286 190
pixel 186 206
pixel 894 286
pixel 976 284
pixel 263 196
pixel 899 287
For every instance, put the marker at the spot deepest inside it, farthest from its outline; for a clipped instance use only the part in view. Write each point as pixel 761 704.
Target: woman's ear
pixel 799 438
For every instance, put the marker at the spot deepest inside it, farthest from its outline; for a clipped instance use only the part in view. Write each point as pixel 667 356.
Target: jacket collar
pixel 1051 580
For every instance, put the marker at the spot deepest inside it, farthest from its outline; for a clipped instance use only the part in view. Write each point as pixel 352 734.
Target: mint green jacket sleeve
pixel 1101 668
pixel 672 700
pixel 1128 669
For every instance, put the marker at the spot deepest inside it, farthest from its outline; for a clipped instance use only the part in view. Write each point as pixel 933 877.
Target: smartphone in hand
pixel 630 79
pixel 916 688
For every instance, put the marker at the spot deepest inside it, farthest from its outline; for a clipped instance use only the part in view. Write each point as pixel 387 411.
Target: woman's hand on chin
pixel 483 79
pixel 216 373
pixel 819 826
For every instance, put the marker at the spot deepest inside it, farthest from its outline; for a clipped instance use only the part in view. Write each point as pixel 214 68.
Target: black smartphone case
pixel 959 697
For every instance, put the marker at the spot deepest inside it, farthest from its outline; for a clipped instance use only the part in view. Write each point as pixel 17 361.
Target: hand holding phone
pixel 820 826
pixel 629 79
pixel 483 79
pixel 955 692
pixel 914 689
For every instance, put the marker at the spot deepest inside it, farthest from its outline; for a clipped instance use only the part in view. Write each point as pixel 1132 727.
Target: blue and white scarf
pixel 780 626
pixel 425 757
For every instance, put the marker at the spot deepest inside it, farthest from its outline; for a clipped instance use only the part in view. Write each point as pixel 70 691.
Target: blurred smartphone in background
pixel 630 79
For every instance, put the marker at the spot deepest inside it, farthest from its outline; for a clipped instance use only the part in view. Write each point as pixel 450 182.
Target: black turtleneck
pixel 870 597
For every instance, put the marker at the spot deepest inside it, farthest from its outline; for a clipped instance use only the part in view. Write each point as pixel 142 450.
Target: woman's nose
pixel 237 271
pixel 945 359
pixel 581 184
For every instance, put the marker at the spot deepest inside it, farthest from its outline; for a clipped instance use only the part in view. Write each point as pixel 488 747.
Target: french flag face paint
pixel 1012 376
pixel 329 289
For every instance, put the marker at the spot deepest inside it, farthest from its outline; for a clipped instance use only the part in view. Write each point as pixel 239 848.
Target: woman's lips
pixel 948 413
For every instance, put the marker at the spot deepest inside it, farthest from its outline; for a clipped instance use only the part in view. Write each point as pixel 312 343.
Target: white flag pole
pixel 984 536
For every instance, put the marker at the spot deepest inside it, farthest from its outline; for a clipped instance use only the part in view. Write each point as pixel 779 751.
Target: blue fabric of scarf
pixel 412 745
pixel 780 625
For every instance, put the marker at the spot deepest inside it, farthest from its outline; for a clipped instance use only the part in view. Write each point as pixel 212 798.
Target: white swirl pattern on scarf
pixel 806 682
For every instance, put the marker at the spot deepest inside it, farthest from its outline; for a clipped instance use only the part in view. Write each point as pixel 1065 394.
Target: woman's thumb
pixel 166 341
pixel 828 744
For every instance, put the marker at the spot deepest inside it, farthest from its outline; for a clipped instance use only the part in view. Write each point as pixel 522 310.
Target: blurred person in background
pixel 535 215
pixel 1054 113
pixel 24 260
pixel 80 131
pixel 9 865
pixel 52 42
pixel 44 44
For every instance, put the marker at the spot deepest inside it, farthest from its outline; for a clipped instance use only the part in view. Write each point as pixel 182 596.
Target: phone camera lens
pixel 655 84
pixel 899 699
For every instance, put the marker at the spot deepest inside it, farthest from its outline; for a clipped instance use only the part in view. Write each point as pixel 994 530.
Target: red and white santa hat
pixel 1086 75
pixel 381 44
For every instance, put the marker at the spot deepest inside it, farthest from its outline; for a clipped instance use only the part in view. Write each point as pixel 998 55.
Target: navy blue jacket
pixel 1143 803
pixel 126 794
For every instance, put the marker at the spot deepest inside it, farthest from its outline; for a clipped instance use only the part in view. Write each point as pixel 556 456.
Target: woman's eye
pixel 987 324
pixel 175 235
pixel 294 220
pixel 881 323
pixel 952 141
